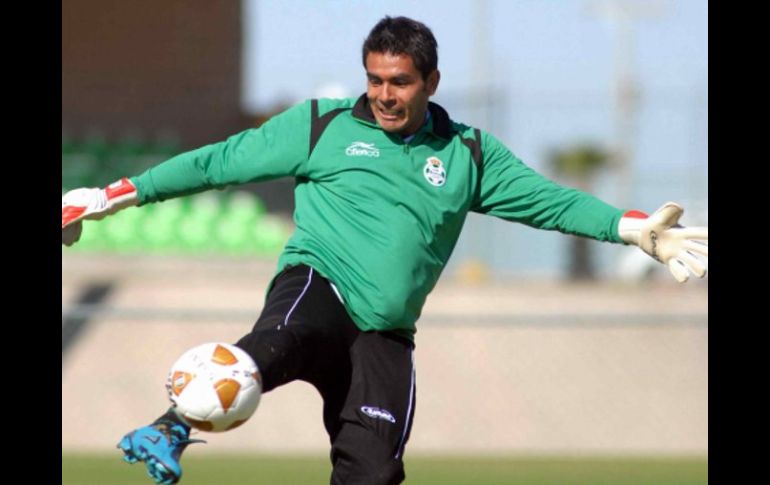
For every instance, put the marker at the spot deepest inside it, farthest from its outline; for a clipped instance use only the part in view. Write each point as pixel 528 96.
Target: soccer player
pixel 384 184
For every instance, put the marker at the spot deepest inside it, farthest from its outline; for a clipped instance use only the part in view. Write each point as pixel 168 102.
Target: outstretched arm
pixel 511 190
pixel 276 149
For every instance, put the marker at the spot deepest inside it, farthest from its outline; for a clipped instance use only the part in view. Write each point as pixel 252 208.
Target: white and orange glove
pixel 94 204
pixel 662 237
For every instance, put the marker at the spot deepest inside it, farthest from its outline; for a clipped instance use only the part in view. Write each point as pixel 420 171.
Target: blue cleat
pixel 159 446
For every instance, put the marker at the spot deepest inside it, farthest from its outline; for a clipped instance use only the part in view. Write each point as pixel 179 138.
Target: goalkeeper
pixel 384 183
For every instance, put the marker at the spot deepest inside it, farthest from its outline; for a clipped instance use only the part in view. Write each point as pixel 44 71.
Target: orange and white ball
pixel 214 387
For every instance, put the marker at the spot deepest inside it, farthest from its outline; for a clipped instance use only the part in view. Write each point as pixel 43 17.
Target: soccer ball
pixel 214 387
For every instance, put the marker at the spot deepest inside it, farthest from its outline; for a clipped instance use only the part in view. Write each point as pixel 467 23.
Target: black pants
pixel 366 379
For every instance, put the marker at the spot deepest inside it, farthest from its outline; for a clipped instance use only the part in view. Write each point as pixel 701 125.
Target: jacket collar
pixel 439 116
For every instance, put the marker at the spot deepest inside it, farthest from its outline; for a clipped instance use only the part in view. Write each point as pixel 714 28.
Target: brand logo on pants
pixel 378 413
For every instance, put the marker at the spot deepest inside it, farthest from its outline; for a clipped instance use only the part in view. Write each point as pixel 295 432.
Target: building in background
pixel 151 85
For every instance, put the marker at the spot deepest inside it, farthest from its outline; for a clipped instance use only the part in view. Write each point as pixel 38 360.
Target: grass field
pixel 269 470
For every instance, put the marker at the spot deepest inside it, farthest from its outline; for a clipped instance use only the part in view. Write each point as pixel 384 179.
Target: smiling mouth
pixel 389 116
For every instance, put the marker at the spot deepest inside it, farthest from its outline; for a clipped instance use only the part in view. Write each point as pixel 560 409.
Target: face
pixel 398 95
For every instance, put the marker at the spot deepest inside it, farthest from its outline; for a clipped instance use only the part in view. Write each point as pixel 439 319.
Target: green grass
pixel 302 470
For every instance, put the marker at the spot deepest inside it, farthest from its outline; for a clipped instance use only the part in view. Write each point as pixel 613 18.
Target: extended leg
pixel 280 343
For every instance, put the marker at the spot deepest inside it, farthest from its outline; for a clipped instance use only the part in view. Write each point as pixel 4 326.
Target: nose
pixel 387 97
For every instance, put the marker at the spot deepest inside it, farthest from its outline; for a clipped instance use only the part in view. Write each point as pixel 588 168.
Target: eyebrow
pixel 399 77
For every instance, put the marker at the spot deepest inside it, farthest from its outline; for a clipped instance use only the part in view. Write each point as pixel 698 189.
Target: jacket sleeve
pixel 513 191
pixel 278 148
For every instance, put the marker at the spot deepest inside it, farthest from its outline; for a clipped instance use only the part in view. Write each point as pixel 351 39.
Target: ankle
pixel 171 418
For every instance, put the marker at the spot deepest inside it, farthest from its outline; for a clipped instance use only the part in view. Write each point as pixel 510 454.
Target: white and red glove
pixel 662 237
pixel 93 204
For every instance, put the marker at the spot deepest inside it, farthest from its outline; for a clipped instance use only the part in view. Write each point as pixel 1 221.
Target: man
pixel 384 183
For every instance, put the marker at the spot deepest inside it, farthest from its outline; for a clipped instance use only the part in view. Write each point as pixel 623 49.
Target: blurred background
pixel 533 343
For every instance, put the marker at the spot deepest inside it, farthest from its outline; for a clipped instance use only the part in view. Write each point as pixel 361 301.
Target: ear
pixel 431 84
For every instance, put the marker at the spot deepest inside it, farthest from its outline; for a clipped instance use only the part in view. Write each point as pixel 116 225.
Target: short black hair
pixel 402 35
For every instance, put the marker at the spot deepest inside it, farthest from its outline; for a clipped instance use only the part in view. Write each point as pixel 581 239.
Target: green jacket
pixel 375 215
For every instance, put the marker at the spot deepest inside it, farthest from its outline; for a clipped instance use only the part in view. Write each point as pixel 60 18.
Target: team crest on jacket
pixel 434 172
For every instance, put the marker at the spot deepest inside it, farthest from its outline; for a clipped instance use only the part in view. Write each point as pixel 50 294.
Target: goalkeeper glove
pixel 662 237
pixel 92 203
